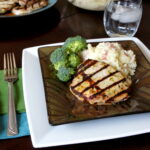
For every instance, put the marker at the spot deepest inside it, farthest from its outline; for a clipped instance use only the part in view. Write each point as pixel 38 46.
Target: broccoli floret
pixel 58 55
pixel 66 59
pixel 74 60
pixel 64 74
pixel 74 44
pixel 59 58
pixel 60 64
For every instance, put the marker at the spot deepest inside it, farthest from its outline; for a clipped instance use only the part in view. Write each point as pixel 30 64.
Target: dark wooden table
pixel 55 25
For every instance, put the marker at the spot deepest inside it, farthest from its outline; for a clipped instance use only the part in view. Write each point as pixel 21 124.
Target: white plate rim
pixel 42 142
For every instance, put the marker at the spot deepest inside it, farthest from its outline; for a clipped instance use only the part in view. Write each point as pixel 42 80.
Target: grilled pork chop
pixel 99 83
pixel 19 7
pixel 6 5
pixel 27 6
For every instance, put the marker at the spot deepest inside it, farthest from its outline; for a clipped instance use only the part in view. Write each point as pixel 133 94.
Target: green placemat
pixel 18 92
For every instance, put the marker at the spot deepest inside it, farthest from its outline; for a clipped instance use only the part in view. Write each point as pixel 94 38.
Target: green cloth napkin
pixel 18 92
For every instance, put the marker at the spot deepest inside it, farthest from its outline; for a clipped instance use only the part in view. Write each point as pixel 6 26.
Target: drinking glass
pixel 122 17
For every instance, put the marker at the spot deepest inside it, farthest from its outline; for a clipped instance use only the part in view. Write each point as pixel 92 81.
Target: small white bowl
pixel 95 5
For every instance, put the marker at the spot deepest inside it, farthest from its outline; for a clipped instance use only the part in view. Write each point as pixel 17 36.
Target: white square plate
pixel 45 135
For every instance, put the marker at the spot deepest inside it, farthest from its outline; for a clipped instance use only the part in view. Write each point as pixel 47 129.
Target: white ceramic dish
pixel 94 5
pixel 45 135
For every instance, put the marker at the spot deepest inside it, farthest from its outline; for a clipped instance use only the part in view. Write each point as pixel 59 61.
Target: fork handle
pixel 12 122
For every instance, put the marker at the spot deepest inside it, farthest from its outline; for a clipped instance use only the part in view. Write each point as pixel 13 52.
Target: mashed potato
pixel 113 54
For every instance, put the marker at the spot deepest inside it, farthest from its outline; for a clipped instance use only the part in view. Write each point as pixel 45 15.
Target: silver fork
pixel 10 75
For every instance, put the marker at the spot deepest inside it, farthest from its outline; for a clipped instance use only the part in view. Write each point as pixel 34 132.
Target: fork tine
pixel 11 64
pixel 5 71
pixel 8 63
pixel 10 68
pixel 14 63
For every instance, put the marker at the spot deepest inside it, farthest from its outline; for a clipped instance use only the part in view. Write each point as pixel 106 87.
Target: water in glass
pixel 122 18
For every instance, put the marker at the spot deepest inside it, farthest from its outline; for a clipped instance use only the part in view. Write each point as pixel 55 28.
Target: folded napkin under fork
pixel 20 107
pixel 22 126
pixel 18 91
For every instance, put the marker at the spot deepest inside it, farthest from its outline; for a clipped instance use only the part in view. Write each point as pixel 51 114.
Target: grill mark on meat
pixel 86 77
pixel 86 64
pixel 97 87
pixel 81 75
pixel 80 94
pixel 93 85
pixel 88 67
pixel 121 93
pixel 103 90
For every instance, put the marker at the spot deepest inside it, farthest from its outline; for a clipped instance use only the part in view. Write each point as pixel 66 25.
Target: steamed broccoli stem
pixel 58 55
pixel 64 74
pixel 74 60
pixel 74 44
